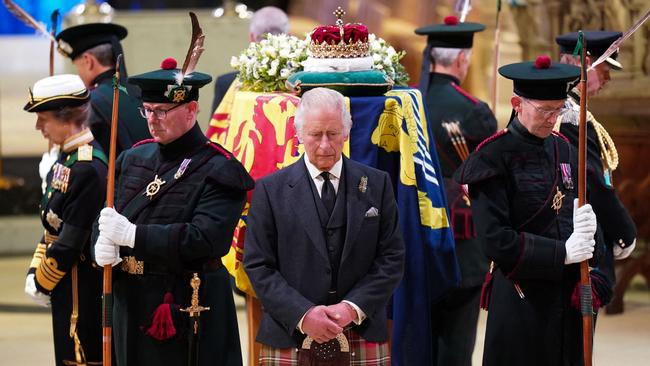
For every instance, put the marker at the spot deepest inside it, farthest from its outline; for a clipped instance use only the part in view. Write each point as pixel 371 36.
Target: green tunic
pixel 185 227
pixel 131 127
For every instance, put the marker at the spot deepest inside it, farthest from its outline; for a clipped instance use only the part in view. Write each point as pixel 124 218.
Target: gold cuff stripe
pixel 45 282
pixel 52 266
pixel 38 256
pixel 46 273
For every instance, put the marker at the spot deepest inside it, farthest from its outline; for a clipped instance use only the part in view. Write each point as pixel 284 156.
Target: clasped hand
pixel 323 323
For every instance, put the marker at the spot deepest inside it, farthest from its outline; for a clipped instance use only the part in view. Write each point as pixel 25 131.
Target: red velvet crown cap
pixel 331 34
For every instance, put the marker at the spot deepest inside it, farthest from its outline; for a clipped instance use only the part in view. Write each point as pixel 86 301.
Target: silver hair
pixel 78 115
pixel 103 53
pixel 268 19
pixel 446 56
pixel 322 99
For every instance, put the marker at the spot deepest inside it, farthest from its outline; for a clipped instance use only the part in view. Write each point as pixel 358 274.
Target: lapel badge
pixel 60 177
pixel 181 169
pixel 153 187
pixel 85 153
pixel 53 219
pixel 363 184
pixel 557 200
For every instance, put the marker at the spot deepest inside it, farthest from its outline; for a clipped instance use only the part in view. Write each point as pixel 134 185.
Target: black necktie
pixel 327 194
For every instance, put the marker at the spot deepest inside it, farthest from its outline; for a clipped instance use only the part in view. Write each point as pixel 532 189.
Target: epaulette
pixel 491 138
pixel 220 149
pixel 146 141
pixel 560 135
pixel 467 95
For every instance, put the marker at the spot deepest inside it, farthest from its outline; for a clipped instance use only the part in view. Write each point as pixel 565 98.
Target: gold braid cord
pixel 608 152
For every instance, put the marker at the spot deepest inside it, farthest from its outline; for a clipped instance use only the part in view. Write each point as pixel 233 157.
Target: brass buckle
pixel 132 266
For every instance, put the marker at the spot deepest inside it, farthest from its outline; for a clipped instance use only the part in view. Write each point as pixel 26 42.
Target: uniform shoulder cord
pixel 608 152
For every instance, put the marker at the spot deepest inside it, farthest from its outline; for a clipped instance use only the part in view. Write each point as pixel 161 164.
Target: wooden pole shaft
pixel 107 305
pixel 585 281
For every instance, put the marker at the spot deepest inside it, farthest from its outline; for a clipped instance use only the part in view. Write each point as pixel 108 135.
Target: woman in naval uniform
pixel 62 274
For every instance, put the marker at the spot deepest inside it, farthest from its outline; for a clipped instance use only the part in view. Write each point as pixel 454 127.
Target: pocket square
pixel 372 212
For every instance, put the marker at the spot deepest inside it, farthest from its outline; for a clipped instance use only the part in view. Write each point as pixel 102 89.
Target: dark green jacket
pixel 131 127
pixel 184 228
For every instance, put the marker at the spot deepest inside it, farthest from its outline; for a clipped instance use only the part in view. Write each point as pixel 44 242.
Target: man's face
pixel 178 119
pixel 597 78
pixel 538 116
pixel 323 136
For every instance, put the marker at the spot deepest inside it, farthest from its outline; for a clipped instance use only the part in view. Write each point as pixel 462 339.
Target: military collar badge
pixel 153 187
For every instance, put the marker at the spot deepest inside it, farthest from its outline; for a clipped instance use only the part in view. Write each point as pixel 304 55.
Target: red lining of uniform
pixel 466 94
pixel 146 141
pixel 493 137
pixel 560 135
pixel 219 149
pixel 522 245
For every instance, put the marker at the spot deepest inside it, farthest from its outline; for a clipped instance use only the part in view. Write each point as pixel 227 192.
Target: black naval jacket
pixel 513 179
pixel 447 102
pixel 186 227
pixel 617 225
pixel 67 215
pixel 131 126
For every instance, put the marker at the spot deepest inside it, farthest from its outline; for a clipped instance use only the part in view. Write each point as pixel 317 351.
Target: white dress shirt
pixel 335 178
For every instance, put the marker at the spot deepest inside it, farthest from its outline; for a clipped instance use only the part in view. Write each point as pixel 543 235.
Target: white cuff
pixel 361 316
pixel 299 326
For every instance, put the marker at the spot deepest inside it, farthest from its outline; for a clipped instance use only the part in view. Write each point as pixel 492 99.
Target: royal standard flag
pixel 400 143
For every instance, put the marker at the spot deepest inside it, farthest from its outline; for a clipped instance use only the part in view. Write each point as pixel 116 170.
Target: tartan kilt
pixel 362 353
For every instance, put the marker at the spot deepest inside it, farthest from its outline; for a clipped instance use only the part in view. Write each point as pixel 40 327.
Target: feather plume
pixel 23 16
pixel 614 46
pixel 462 8
pixel 55 19
pixel 193 53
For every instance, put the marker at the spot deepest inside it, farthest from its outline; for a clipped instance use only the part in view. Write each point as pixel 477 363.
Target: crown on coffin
pixel 340 41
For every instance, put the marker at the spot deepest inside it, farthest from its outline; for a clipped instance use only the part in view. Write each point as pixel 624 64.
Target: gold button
pixel 49 194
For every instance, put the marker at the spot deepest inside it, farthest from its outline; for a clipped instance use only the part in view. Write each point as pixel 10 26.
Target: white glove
pixel 48 159
pixel 579 247
pixel 106 252
pixel 116 227
pixel 37 296
pixel 584 219
pixel 622 253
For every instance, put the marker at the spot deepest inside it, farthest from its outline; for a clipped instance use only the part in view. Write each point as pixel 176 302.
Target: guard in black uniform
pixel 93 49
pixel 459 122
pixel 178 199
pixel 62 273
pixel 618 229
pixel 522 184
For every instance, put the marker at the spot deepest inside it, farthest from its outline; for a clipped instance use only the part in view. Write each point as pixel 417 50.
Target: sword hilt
pixel 195 309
